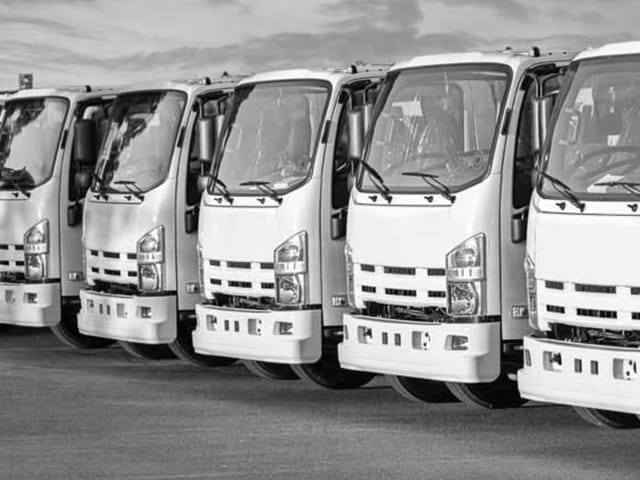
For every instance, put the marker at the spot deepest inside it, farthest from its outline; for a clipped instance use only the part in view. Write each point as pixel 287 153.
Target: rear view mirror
pixel 203 182
pixel 85 142
pixel 541 111
pixel 206 138
pixel 356 134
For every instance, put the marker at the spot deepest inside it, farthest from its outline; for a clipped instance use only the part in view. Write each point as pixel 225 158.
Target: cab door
pixel 517 187
pixel 71 253
pixel 188 201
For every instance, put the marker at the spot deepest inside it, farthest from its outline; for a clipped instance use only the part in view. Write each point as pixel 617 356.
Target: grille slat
pixel 555 309
pixel 581 287
pixel 111 255
pixel 367 268
pixel 368 289
pixel 266 266
pixel 554 285
pixel 244 265
pixel 400 270
pixel 400 292
pixel 591 312
pixel 238 284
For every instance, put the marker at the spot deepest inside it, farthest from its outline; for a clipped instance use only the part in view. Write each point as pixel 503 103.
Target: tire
pixel 327 372
pixel 68 333
pixel 148 352
pixel 607 418
pixel 421 390
pixel 270 371
pixel 182 346
pixel 501 393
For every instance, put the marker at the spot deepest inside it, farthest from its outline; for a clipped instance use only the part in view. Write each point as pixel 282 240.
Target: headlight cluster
pixel 348 256
pixel 466 278
pixel 532 292
pixel 36 252
pixel 290 267
pixel 150 256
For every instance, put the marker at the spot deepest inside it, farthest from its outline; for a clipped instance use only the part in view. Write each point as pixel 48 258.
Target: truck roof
pixel 611 49
pixel 510 57
pixel 197 85
pixel 332 75
pixel 70 92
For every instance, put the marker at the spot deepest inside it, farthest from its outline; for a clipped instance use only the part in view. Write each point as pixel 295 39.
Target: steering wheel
pixel 631 163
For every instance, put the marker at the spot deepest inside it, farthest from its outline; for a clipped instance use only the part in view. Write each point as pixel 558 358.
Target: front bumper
pixel 589 376
pixel 417 350
pixel 30 304
pixel 151 320
pixel 251 334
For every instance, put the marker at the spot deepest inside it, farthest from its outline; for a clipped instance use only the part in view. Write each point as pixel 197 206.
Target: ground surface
pixel 68 414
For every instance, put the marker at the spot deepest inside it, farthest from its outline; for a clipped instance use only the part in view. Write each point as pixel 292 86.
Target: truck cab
pixel 435 240
pixel 583 285
pixel 273 221
pixel 40 251
pixel 141 215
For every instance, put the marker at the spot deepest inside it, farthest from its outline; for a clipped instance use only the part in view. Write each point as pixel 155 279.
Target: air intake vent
pixel 214 263
pixel 237 284
pixel 589 312
pixel 595 288
pixel 555 309
pixel 399 292
pixel 367 268
pixel 110 254
pixel 400 270
pixel 368 289
pixel 244 265
pixel 554 285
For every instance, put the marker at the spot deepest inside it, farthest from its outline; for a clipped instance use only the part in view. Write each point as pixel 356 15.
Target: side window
pixel 209 107
pixel 523 163
pixel 99 114
pixel 340 175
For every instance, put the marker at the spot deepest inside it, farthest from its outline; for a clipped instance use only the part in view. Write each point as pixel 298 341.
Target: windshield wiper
pixel 99 181
pixel 8 176
pixel 136 191
pixel 377 180
pixel 264 187
pixel 222 187
pixel 563 189
pixel 432 180
pixel 632 187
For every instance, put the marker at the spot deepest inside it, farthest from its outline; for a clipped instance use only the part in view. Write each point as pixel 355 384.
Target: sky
pixel 110 42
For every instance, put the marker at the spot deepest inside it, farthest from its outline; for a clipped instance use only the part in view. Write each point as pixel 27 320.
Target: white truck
pixel 584 290
pixel 141 217
pixel 40 240
pixel 435 241
pixel 272 225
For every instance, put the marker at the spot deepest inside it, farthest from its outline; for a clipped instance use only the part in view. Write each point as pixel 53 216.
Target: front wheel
pixel 148 352
pixel 501 393
pixel 270 371
pixel 68 333
pixel 182 346
pixel 421 390
pixel 327 372
pixel 607 418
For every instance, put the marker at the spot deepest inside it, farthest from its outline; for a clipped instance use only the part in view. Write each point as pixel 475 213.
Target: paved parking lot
pixel 75 414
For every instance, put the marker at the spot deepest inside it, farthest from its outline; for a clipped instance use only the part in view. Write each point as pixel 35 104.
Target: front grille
pixel 594 288
pixel 229 278
pixel 112 268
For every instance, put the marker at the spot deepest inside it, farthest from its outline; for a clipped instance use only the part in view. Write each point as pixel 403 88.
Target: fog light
pixel 283 328
pixel 9 297
pixel 552 361
pixel 145 312
pixel 30 297
pixel 457 342
pixel 365 335
pixel 212 322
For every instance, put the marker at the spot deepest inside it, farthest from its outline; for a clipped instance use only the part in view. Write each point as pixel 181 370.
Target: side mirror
pixel 82 181
pixel 203 183
pixel 191 220
pixel 74 214
pixel 85 142
pixel 339 224
pixel 541 111
pixel 519 226
pixel 356 133
pixel 206 138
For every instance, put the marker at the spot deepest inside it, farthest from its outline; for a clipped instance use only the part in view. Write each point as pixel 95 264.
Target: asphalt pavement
pixel 67 414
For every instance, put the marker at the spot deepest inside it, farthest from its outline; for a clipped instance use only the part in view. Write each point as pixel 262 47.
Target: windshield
pixel 271 135
pixel 29 136
pixel 139 143
pixel 441 121
pixel 595 144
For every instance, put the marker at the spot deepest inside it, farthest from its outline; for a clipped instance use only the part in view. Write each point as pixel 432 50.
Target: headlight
pixel 532 292
pixel 348 257
pixel 466 278
pixel 290 267
pixel 150 256
pixel 36 251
